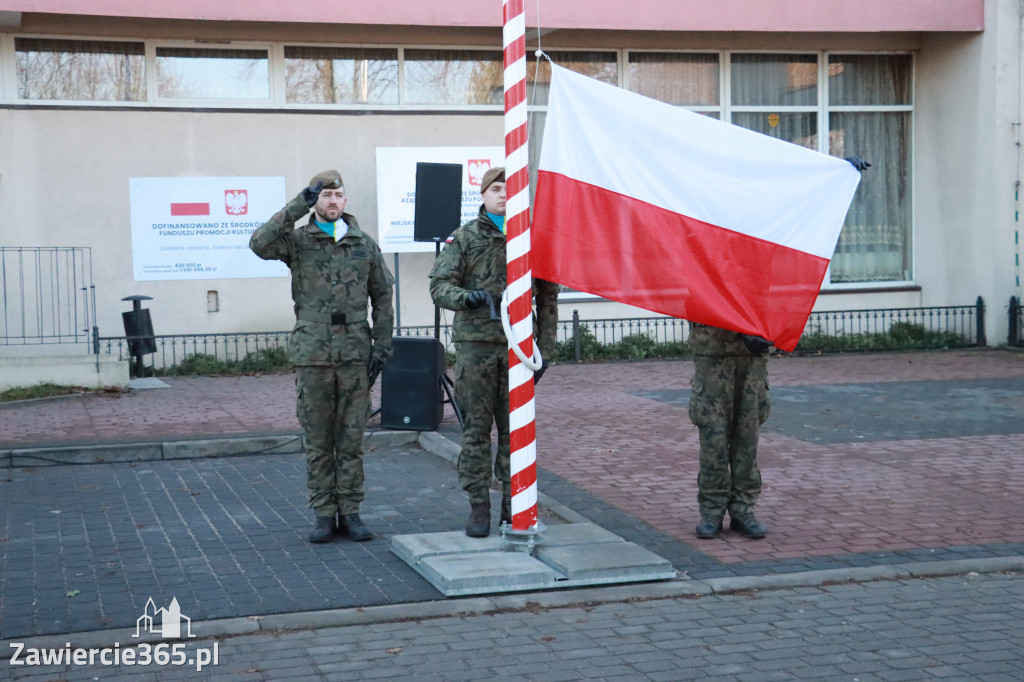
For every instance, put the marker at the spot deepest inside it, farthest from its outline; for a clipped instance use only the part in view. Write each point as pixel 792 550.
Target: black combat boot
pixel 709 527
pixel 353 527
pixel 748 525
pixel 323 530
pixel 479 524
pixel 506 510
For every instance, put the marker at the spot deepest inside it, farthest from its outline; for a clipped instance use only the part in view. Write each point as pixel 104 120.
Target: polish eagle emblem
pixel 236 201
pixel 477 168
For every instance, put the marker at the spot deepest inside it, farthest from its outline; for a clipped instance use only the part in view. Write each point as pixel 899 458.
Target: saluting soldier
pixel 336 268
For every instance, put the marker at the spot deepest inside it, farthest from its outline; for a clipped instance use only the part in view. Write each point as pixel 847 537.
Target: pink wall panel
pixel 672 15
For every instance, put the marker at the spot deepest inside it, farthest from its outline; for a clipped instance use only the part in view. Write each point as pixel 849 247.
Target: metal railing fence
pixel 48 295
pixel 919 328
pixel 594 339
pixel 225 348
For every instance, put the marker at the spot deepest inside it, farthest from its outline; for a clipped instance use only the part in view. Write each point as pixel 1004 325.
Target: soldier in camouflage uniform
pixel 469 270
pixel 728 404
pixel 335 268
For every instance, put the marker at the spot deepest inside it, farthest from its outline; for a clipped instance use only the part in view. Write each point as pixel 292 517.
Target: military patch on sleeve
pixel 359 254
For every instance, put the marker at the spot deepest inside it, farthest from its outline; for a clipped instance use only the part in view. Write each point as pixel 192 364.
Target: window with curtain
pixel 875 244
pixel 337 75
pixel 80 70
pixel 777 95
pixel 453 77
pixel 212 73
pixel 683 79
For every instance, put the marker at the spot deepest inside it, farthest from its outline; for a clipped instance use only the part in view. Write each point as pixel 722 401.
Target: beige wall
pixel 75 165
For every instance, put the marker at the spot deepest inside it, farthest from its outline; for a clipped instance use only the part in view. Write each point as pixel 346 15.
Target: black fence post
pixel 577 347
pixel 980 317
pixel 1013 339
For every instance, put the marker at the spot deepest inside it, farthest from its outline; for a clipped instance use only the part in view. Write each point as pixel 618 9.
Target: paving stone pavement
pixel 869 461
pixel 953 628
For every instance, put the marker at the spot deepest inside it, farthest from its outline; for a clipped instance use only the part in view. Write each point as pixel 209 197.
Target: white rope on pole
pixel 533 363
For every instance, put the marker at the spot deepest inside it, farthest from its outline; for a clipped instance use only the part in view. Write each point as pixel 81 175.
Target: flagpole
pixel 520 283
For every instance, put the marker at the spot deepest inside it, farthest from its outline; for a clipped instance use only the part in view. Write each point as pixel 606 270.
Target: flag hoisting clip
pixel 533 363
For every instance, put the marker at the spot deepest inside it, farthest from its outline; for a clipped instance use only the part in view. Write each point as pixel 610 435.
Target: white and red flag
pixel 665 209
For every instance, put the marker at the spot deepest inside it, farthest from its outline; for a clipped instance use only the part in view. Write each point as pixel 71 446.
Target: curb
pixel 179 449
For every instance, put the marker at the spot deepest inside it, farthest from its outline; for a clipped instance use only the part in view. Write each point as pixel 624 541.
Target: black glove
pixel 476 299
pixel 858 163
pixel 538 373
pixel 311 194
pixel 373 368
pixel 755 344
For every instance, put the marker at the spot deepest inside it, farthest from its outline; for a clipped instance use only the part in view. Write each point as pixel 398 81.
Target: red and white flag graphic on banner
pixel 662 208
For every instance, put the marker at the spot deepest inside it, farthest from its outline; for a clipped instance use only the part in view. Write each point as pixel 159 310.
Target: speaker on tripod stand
pixel 414 383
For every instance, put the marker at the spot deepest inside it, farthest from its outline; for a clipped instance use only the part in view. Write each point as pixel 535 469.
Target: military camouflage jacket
pixel 475 259
pixel 708 340
pixel 330 286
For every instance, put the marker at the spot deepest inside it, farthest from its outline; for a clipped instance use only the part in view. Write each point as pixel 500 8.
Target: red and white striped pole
pixel 517 254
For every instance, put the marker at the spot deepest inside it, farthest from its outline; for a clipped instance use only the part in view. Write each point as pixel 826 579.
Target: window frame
pixel 152 82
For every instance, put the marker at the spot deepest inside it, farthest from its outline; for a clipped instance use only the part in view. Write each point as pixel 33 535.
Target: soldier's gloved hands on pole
pixel 373 369
pixel 311 194
pixel 538 373
pixel 476 299
pixel 858 163
pixel 756 344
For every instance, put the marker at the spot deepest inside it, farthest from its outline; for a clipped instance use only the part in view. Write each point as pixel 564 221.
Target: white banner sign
pixel 396 188
pixel 199 228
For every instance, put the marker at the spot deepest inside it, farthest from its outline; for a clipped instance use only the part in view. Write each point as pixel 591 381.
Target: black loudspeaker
pixel 410 389
pixel 438 201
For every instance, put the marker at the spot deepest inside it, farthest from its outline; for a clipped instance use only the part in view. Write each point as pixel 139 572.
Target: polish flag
pixel 645 203
pixel 190 209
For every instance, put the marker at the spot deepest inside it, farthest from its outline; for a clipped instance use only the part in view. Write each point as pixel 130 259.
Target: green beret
pixel 330 178
pixel 493 175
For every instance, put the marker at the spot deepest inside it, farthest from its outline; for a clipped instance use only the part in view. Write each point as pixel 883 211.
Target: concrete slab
pixel 485 572
pixel 413 549
pixel 606 562
pixel 571 555
pixel 563 534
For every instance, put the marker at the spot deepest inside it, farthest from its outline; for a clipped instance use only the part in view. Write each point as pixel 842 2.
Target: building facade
pixel 94 94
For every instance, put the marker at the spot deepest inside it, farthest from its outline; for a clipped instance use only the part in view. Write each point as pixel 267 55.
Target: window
pixel 212 73
pixel 325 75
pixel 454 77
pixel 874 245
pixel 776 95
pixel 91 70
pixel 684 79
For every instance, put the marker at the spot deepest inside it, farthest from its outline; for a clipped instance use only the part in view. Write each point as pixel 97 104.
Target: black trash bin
pixel 138 328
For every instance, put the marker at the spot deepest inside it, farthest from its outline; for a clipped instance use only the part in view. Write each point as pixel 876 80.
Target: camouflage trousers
pixel 333 405
pixel 481 391
pixel 728 404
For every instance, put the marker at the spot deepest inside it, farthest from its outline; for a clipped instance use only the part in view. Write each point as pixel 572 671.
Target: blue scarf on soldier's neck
pixel 498 220
pixel 337 229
